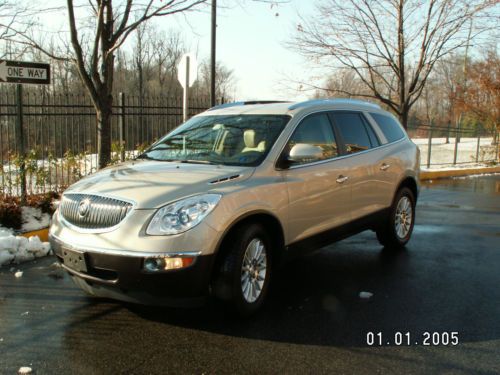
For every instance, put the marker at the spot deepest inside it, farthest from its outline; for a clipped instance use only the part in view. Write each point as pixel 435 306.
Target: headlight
pixel 182 215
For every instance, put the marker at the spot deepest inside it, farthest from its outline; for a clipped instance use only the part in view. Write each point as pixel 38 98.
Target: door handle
pixel 341 179
pixel 384 166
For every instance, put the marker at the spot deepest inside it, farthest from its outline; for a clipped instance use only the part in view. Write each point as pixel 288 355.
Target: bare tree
pixel 224 80
pixel 12 13
pixel 96 38
pixel 391 45
pixel 167 51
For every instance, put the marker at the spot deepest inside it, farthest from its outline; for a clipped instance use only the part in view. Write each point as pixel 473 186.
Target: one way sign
pixel 24 72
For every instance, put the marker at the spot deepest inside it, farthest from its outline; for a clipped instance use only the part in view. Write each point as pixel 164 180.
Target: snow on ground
pixel 34 219
pixel 61 174
pixel 18 249
pixel 442 153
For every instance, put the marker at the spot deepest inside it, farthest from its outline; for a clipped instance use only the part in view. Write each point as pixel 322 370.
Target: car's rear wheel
pixel 397 230
pixel 245 271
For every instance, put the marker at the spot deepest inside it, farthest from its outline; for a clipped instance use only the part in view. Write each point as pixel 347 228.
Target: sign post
pixel 187 72
pixel 22 72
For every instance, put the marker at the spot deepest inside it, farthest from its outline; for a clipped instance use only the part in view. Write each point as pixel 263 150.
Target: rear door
pixel 319 191
pixel 360 142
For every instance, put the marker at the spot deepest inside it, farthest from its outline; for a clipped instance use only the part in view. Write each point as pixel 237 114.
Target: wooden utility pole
pixel 212 54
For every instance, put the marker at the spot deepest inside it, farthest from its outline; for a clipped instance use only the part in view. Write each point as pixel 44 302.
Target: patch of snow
pixel 18 249
pixel 5 257
pixel 365 295
pixel 34 219
pixel 442 153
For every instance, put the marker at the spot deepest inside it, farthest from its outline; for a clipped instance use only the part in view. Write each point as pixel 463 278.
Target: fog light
pixel 167 263
pixel 154 264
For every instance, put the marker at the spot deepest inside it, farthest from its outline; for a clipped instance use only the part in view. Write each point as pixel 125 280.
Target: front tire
pixel 396 231
pixel 245 271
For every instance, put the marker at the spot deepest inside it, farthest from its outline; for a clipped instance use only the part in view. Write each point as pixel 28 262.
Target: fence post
pixel 477 148
pixel 429 146
pixel 448 132
pixel 20 141
pixel 456 147
pixel 121 125
pixel 497 158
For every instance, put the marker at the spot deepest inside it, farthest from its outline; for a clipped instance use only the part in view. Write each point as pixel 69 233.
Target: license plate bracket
pixel 74 259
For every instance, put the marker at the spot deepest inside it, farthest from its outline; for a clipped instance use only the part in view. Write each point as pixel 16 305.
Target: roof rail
pixel 333 101
pixel 226 105
pixel 250 102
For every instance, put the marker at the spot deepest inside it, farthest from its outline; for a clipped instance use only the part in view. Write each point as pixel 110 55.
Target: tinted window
pixel 389 127
pixel 316 130
pixel 371 133
pixel 353 131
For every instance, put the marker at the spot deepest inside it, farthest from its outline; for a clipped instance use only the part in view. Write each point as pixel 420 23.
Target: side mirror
pixel 303 153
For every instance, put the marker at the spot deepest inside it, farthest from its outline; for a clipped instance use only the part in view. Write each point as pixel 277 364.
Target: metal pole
pixel 185 105
pixel 20 142
pixel 456 147
pixel 212 54
pixel 497 157
pixel 477 148
pixel 429 146
pixel 448 132
pixel 121 125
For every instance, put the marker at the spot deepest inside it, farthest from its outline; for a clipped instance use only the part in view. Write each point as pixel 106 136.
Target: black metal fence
pixel 60 138
pixel 450 146
pixel 60 135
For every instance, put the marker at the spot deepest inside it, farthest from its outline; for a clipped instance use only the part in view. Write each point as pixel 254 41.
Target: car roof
pixel 289 108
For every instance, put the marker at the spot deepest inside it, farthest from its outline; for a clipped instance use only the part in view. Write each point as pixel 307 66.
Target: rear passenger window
pixel 354 132
pixel 371 133
pixel 389 127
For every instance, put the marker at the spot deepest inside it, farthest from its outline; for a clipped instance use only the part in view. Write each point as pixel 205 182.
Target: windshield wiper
pixel 190 161
pixel 194 161
pixel 144 156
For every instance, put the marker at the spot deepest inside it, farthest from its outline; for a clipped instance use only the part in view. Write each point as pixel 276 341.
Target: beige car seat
pixel 253 142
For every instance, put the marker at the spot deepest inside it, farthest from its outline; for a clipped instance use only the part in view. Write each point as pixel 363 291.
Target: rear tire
pixel 243 277
pixel 396 231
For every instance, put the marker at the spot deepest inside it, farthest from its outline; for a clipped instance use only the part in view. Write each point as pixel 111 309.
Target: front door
pixel 319 190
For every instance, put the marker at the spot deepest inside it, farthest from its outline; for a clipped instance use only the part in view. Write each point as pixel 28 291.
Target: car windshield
pixel 231 140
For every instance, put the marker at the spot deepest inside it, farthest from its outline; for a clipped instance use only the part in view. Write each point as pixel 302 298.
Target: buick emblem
pixel 83 207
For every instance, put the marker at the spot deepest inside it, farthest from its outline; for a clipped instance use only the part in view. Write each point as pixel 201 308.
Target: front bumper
pixel 120 275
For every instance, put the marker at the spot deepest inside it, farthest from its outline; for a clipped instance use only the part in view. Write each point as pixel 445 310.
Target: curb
pixel 434 175
pixel 43 234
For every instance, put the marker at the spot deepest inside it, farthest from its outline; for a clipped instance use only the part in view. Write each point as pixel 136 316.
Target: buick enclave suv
pixel 213 206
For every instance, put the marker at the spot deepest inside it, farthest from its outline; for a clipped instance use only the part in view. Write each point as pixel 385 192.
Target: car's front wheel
pixel 245 271
pixel 396 231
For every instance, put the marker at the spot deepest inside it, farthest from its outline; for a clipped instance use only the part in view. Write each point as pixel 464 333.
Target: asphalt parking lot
pixel 448 280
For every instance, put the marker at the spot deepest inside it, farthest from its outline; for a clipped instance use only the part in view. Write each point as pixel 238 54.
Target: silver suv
pixel 213 206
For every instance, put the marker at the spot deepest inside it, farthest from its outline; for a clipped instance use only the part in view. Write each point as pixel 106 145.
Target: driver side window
pixel 315 130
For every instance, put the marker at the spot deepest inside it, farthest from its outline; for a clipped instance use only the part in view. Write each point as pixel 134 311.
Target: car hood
pixel 152 184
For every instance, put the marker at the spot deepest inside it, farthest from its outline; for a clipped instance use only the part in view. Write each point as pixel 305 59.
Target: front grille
pixel 92 211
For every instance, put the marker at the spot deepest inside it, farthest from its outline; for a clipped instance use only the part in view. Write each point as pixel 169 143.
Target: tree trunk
pixel 403 118
pixel 104 132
